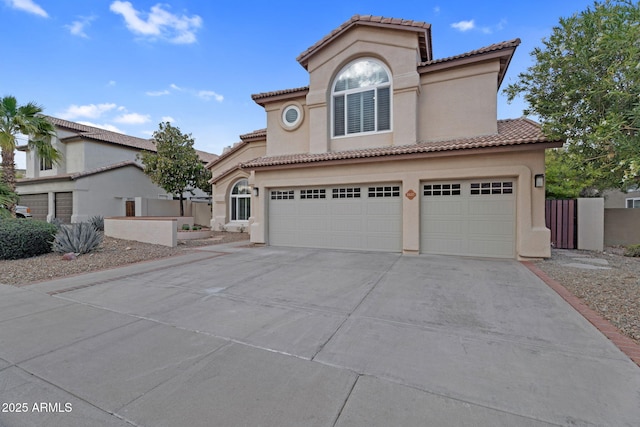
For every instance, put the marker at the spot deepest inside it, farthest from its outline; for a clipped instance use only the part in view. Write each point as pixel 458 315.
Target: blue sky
pixel 128 65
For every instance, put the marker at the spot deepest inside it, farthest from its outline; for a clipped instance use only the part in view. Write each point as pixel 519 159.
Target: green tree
pixel 23 119
pixel 7 198
pixel 567 177
pixel 584 87
pixel 175 166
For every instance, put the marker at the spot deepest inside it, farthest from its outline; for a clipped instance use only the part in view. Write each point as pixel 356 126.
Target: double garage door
pixel 469 218
pixel 362 217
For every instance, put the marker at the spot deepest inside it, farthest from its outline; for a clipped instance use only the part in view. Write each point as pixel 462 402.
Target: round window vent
pixel 291 116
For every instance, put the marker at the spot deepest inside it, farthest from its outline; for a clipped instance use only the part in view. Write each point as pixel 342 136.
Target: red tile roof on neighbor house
pixel 74 176
pixel 103 135
pixel 423 30
pixel 511 132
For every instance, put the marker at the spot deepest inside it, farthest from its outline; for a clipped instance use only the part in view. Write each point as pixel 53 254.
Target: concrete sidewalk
pixel 301 337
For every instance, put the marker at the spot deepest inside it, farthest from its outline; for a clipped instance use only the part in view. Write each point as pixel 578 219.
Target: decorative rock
pixel 69 256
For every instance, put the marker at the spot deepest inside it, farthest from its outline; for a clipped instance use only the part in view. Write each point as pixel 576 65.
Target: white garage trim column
pixel 411 215
pixel 52 206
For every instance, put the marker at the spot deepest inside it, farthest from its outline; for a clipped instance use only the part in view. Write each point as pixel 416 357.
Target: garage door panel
pixel 352 217
pixel 37 203
pixel 346 224
pixel 477 221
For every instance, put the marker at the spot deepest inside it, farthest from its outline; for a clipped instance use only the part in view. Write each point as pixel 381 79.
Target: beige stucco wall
pixel 459 103
pixel 445 104
pixel 220 190
pixel 621 226
pixel 591 224
pixel 159 231
pixel 532 237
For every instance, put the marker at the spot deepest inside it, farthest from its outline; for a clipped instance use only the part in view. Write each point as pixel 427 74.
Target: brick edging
pixel 624 343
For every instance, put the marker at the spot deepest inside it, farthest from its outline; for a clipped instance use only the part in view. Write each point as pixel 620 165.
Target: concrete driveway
pixel 299 337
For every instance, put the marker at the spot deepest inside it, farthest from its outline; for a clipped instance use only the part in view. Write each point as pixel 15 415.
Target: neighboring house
pixel 100 174
pixel 614 198
pixel 388 149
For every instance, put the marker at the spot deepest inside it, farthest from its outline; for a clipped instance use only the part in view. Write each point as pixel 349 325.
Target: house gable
pixel 431 100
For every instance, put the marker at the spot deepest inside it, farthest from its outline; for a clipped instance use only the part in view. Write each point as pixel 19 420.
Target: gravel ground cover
pixel 112 253
pixel 610 284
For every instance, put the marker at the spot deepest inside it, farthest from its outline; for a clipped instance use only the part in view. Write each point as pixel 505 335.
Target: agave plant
pixel 78 238
pixel 97 222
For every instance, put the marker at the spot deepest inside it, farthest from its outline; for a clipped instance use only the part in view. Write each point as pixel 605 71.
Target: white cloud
pixel 111 83
pixel 208 94
pixel 436 10
pixel 91 111
pixel 28 6
pixel 157 92
pixel 109 127
pixel 77 28
pixel 499 26
pixel 159 23
pixel 133 119
pixel 167 119
pixel 174 86
pixel 464 25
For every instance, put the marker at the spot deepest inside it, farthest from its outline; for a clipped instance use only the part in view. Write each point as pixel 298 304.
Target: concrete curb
pixel 624 343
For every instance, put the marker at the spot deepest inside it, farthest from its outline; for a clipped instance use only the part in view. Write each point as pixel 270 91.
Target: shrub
pixel 78 238
pixel 97 222
pixel 186 227
pixel 196 228
pixel 24 239
pixel 56 222
pixel 632 251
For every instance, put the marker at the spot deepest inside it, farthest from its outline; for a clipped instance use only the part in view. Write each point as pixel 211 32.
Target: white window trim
pixel 232 199
pixel 358 90
pixel 626 202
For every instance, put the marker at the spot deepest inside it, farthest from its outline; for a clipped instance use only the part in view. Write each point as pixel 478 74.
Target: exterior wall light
pixel 256 191
pixel 539 180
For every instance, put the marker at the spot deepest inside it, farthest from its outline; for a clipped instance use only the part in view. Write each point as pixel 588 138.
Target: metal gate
pixel 562 219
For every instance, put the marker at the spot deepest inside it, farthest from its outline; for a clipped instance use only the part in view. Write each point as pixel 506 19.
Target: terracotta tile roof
pixel 256 135
pixel 422 28
pixel 259 97
pixel 491 48
pixel 503 51
pixel 74 176
pixel 511 132
pixel 103 135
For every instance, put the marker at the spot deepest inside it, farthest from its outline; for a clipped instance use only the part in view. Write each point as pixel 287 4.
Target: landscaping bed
pixel 611 287
pixel 111 253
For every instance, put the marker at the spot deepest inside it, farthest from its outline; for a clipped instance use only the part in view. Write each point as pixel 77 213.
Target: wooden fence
pixel 562 219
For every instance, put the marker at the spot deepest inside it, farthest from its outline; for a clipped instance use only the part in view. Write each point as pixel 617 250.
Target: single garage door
pixel 470 218
pixel 64 206
pixel 361 217
pixel 38 203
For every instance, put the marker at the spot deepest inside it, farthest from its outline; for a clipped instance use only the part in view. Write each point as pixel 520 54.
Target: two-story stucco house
pixel 100 174
pixel 388 149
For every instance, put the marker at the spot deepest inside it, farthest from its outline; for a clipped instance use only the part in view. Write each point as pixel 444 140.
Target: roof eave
pixel 405 156
pixel 504 55
pixel 425 46
pixel 264 98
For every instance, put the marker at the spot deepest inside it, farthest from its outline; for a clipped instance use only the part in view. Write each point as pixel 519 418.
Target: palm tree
pixel 23 119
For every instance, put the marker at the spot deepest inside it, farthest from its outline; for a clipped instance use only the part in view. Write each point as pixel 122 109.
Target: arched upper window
pixel 362 98
pixel 240 201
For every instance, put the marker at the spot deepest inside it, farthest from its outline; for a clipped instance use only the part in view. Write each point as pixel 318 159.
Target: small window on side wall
pixel 45 164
